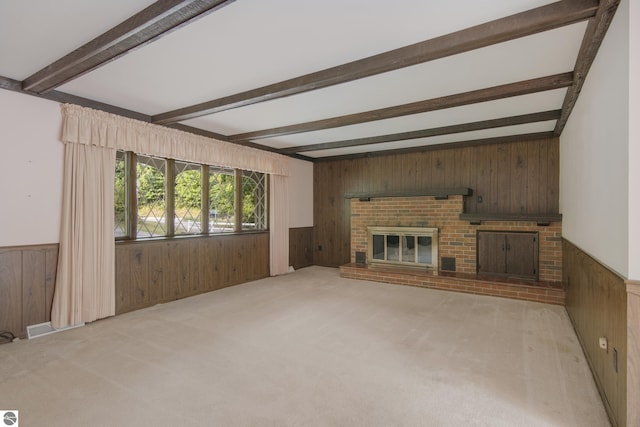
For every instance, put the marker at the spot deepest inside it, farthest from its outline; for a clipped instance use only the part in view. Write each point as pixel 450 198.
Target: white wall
pixel 594 149
pixel 634 140
pixel 31 157
pixel 301 194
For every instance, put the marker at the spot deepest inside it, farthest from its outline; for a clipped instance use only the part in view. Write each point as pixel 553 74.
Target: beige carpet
pixel 309 349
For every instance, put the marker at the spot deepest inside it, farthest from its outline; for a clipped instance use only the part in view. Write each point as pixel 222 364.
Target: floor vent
pixel 42 329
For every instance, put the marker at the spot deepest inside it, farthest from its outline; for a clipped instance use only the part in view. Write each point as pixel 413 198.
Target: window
pixel 188 198
pixel 254 201
pixel 151 195
pixel 120 197
pixel 156 197
pixel 221 200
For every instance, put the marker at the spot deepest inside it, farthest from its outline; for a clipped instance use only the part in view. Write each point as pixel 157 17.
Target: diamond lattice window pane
pixel 221 200
pixel 188 198
pixel 120 196
pixel 151 195
pixel 254 201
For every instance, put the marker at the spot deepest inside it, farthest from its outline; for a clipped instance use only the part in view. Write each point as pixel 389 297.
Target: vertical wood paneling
pixel 552 201
pixel 139 270
pixel 123 279
pixel 301 247
pixel 153 272
pixel 50 277
pixel 11 291
pixel 156 272
pixel 503 196
pixel 520 177
pixel 533 182
pixel 597 305
pixel 633 352
pixel 27 280
pixel 34 291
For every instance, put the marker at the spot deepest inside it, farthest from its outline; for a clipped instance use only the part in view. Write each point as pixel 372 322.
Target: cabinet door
pixel 521 254
pixel 491 253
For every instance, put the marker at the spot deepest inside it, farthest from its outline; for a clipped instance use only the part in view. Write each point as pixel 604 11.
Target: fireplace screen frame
pixel 402 233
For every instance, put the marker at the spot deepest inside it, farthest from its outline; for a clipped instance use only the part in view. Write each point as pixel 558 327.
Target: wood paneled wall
pixel 597 305
pixel 633 352
pixel 27 278
pixel 151 272
pixel 517 177
pixel 301 247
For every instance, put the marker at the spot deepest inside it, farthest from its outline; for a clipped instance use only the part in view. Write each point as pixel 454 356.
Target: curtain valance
pixel 92 127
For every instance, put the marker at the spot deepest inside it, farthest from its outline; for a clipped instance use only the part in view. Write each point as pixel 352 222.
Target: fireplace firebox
pixel 409 246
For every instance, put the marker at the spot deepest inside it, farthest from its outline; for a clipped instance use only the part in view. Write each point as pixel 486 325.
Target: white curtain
pixel 85 282
pixel 279 230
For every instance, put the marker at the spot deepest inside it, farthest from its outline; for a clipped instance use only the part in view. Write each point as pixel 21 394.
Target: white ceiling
pixel 252 43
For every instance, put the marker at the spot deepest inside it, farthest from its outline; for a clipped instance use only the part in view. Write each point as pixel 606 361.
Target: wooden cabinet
pixel 508 253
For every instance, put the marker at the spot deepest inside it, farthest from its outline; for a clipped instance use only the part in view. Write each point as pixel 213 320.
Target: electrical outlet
pixel 479 199
pixel 602 341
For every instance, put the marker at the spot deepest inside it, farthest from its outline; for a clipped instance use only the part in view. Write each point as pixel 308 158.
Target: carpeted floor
pixel 309 349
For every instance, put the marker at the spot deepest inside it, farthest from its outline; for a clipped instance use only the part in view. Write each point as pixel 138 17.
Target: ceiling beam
pixel 533 21
pixel 425 133
pixel 62 97
pixel 593 36
pixel 151 23
pixel 475 96
pixel 220 137
pixel 443 146
pixel 66 98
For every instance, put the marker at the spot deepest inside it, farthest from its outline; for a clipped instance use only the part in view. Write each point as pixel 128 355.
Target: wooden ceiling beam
pixel 593 36
pixel 426 133
pixel 481 95
pixel 443 146
pixel 148 25
pixel 533 21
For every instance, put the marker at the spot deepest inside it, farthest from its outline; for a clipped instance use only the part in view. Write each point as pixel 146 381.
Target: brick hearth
pixel 457 239
pixel 545 292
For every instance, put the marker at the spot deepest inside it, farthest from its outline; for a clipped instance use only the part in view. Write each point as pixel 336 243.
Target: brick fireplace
pixel 457 238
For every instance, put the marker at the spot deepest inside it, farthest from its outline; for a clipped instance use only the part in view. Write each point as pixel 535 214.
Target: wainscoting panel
pixel 301 247
pixel 151 272
pixel 633 352
pixel 596 300
pixel 27 278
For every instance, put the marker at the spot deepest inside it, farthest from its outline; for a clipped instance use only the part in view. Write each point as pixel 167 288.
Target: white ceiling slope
pixel 248 44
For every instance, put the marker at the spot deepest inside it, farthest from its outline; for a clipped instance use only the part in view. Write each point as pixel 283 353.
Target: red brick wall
pixel 456 238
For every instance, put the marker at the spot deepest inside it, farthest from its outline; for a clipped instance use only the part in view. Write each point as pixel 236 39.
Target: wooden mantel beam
pixel 522 24
pixel 541 84
pixel 151 23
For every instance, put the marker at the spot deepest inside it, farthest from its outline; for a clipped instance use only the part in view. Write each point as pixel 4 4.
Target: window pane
pixel 393 248
pixel 221 200
pixel 424 250
pixel 378 246
pixel 408 248
pixel 254 201
pixel 151 194
pixel 120 196
pixel 188 198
